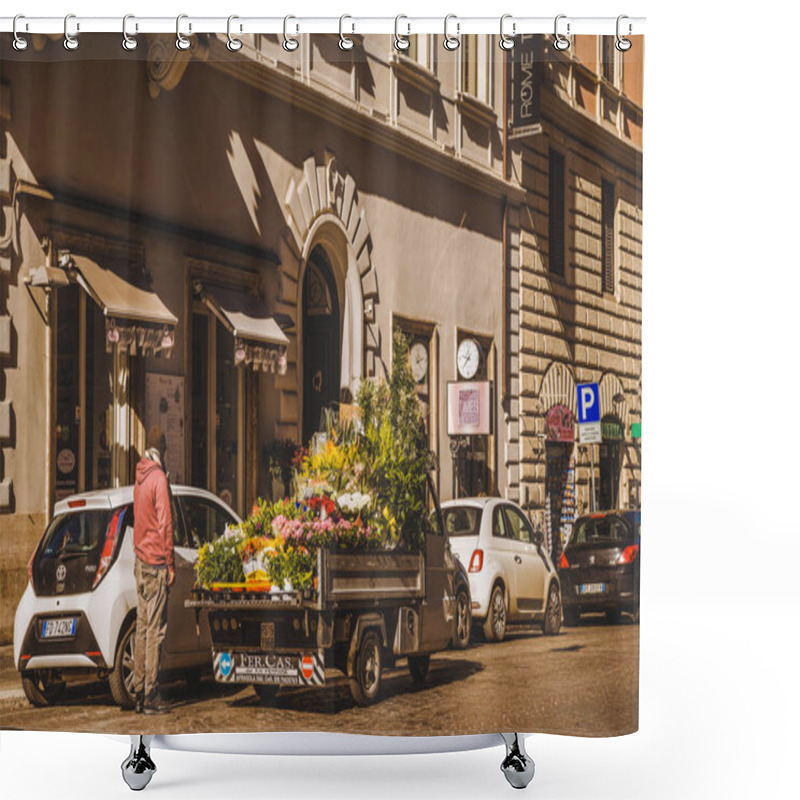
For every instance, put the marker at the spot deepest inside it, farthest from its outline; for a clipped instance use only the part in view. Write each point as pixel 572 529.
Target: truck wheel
pixel 266 693
pixel 365 685
pixel 552 614
pixel 494 629
pixel 120 681
pixel 418 667
pixel 43 687
pixel 463 621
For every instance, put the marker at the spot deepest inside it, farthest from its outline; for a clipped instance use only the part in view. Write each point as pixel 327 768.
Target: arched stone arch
pixel 611 387
pixel 558 388
pixel 323 207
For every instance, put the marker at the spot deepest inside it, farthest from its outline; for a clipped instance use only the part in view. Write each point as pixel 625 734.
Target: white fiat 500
pixel 511 577
pixel 78 613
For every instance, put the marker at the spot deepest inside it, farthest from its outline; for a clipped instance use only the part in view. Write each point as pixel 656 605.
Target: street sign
pixel 588 403
pixel 590 433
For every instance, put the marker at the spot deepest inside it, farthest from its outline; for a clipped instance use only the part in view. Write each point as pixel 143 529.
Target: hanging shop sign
pixel 524 87
pixel 469 408
pixel 613 430
pixel 559 424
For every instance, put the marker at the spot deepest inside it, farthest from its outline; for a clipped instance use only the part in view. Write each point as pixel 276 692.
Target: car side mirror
pixel 538 538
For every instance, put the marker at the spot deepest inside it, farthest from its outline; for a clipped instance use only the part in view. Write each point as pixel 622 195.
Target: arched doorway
pixel 321 346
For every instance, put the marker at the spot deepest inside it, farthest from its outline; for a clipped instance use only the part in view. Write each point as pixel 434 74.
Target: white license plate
pixel 593 588
pixel 59 628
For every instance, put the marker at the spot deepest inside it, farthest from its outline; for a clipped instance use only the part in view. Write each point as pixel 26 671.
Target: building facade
pixel 224 243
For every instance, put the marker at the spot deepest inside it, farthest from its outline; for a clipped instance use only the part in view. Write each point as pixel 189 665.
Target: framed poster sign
pixel 469 408
pixel 164 407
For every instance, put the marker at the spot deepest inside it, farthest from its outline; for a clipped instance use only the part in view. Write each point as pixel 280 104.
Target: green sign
pixel 636 430
pixel 612 429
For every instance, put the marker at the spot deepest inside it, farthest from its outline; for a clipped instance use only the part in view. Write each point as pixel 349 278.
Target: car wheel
pixel 571 617
pixel 43 687
pixel 418 667
pixel 120 681
pixel 365 684
pixel 266 693
pixel 552 614
pixel 494 629
pixel 463 621
pixel 614 616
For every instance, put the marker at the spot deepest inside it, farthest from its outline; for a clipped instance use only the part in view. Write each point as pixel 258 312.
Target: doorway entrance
pixel 321 341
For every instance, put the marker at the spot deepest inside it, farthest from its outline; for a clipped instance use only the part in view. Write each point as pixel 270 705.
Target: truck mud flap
pixel 275 669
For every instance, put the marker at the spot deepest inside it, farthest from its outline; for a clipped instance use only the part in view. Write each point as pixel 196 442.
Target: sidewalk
pixel 10 685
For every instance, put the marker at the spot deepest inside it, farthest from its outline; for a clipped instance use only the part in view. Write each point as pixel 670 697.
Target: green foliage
pixel 219 561
pixel 395 450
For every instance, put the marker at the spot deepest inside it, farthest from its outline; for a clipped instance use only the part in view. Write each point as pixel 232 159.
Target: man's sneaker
pixel 157 705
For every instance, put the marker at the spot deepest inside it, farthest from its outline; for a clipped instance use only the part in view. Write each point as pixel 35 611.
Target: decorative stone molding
pixel 558 388
pixel 166 64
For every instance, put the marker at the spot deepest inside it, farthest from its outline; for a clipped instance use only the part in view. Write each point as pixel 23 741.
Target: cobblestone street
pixel 585 679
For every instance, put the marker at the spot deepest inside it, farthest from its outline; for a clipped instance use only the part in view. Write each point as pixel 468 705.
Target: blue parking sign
pixel 588 403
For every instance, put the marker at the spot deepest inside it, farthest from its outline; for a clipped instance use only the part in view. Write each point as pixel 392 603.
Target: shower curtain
pixel 320 394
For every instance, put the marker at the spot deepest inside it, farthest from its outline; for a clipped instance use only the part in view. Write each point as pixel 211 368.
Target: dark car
pixel 599 567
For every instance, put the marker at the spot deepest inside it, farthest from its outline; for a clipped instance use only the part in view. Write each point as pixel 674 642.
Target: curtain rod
pixel 630 26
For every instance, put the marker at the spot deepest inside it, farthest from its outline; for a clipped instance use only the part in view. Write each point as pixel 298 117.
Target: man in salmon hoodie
pixel 154 570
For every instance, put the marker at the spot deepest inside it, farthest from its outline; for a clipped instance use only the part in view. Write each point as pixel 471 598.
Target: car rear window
pixel 462 520
pixel 601 529
pixel 77 533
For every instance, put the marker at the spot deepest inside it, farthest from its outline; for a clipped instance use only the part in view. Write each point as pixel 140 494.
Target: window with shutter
pixel 608 236
pixel 556 213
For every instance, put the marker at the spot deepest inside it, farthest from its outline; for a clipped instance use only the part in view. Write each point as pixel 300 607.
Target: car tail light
pixel 76 503
pixel 108 547
pixel 562 562
pixel 628 554
pixel 476 562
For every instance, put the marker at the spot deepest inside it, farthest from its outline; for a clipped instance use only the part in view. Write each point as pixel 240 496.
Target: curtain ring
pixel 181 42
pixel 506 41
pixel 451 42
pixel 622 43
pixel 234 44
pixel 70 41
pixel 400 42
pixel 128 42
pixel 19 42
pixel 290 44
pixel 561 42
pixel 345 42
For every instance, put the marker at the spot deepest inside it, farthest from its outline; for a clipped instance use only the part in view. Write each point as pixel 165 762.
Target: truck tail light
pixel 476 562
pixel 628 554
pixel 108 547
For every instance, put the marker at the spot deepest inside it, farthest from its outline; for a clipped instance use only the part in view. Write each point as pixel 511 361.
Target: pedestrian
pixel 154 570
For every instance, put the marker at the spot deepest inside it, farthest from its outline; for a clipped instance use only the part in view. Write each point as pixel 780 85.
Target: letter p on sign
pixel 588 403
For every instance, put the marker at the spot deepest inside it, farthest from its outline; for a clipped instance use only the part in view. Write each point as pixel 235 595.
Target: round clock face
pixel 418 356
pixel 469 357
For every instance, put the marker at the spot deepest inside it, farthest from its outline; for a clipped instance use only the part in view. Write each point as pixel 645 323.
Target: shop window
pixel 556 213
pixel 200 407
pixel 422 360
pixel 419 50
pixel 608 207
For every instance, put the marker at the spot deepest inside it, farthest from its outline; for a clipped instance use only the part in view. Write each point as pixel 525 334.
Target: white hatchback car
pixel 511 577
pixel 78 613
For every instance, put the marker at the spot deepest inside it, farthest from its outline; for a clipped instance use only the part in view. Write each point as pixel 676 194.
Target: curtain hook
pixel 234 44
pixel 451 42
pixel 70 41
pixel 400 42
pixel 561 42
pixel 506 41
pixel 345 42
pixel 19 42
pixel 128 42
pixel 181 42
pixel 622 43
pixel 290 44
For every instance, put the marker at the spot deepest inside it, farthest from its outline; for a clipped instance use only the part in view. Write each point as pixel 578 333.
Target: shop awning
pixel 136 319
pixel 258 339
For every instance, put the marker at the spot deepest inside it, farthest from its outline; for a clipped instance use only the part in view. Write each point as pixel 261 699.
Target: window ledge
pixel 412 71
pixel 476 109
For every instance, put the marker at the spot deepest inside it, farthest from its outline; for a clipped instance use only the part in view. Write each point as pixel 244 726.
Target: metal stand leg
pixel 518 766
pixel 138 768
